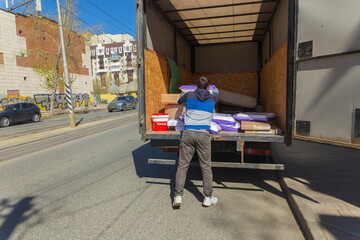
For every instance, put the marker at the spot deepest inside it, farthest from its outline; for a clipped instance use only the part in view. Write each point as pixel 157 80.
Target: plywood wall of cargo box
pixel 156 82
pixel 273 84
pixel 243 82
pixel 186 77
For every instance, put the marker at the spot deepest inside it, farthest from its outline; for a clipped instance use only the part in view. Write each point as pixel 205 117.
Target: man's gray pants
pixel 190 142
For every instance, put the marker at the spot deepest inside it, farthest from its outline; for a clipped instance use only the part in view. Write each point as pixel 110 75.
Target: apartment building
pixel 114 65
pixel 109 38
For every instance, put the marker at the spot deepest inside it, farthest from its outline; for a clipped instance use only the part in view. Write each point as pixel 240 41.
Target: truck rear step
pixel 262 166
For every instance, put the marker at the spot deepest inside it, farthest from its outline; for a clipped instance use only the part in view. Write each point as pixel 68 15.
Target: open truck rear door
pixel 140 36
pixel 326 70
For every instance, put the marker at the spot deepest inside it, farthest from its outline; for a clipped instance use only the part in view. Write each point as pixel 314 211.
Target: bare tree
pixel 46 50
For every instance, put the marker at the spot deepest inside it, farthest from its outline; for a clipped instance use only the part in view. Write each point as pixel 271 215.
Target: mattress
pixel 236 99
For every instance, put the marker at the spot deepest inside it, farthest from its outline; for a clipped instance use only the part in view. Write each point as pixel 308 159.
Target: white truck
pixel 299 58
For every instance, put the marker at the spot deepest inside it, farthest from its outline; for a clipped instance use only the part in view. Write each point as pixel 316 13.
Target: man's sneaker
pixel 177 201
pixel 208 201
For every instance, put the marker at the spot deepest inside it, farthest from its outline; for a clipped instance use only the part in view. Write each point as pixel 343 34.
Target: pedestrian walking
pixel 196 138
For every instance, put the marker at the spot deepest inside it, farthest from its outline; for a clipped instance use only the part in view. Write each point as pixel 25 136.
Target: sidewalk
pixel 323 183
pixel 91 108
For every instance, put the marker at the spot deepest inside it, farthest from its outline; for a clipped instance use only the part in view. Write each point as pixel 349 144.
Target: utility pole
pixel 38 6
pixel 66 71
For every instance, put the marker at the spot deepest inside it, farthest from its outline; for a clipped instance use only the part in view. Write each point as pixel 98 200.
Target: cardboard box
pixel 274 130
pixel 248 125
pixel 174 110
pixel 169 98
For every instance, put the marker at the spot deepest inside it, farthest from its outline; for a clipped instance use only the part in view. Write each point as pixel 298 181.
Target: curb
pixel 76 111
pixel 299 217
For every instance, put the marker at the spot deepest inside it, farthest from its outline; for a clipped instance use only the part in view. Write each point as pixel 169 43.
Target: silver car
pixel 122 103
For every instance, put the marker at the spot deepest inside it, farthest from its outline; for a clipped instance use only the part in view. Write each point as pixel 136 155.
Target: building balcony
pixel 114 57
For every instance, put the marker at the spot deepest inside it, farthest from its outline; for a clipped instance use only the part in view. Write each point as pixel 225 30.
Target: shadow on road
pixel 78 122
pixel 19 213
pixel 144 169
pixel 341 227
pixel 332 175
pixel 221 176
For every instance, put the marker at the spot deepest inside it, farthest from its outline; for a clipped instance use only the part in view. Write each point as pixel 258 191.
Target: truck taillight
pixel 257 151
pixel 170 149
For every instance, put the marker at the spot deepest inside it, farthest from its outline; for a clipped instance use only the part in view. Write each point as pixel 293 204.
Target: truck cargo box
pixel 262 49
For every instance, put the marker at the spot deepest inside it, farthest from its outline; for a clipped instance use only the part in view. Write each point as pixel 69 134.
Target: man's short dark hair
pixel 203 83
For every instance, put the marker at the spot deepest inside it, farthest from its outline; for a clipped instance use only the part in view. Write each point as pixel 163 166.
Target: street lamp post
pixel 66 72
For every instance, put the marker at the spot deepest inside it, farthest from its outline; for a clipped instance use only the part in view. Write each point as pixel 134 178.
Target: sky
pixel 109 16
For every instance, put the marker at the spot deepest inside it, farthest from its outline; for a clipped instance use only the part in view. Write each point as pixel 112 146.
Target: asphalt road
pixel 99 186
pixel 51 123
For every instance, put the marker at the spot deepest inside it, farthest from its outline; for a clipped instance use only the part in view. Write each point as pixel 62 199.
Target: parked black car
pixel 122 103
pixel 19 112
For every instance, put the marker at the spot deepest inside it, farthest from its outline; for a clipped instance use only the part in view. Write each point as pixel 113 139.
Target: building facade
pixel 113 66
pixel 22 38
pixel 109 38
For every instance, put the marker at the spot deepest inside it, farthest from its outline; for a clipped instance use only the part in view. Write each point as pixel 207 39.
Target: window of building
pixel 107 50
pixel 130 76
pixel 134 48
pixel 13 92
pixel 120 49
pixel 100 51
pixel 114 56
pixel 115 49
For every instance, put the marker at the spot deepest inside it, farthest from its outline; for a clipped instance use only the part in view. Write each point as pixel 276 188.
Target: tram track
pixel 24 148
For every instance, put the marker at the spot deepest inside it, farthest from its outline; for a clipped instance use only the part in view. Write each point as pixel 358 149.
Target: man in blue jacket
pixel 196 137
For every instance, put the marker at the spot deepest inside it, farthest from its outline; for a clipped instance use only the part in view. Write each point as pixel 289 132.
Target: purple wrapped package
pixel 194 87
pixel 232 128
pixel 214 128
pixel 191 88
pixel 181 118
pixel 255 116
pixel 222 118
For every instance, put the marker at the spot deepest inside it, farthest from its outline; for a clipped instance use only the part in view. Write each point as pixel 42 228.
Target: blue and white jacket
pixel 199 108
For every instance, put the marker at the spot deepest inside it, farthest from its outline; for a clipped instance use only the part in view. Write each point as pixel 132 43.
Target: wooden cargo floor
pixel 221 136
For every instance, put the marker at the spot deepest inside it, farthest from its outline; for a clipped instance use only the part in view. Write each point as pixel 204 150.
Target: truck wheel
pixel 35 117
pixel 110 110
pixel 4 122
